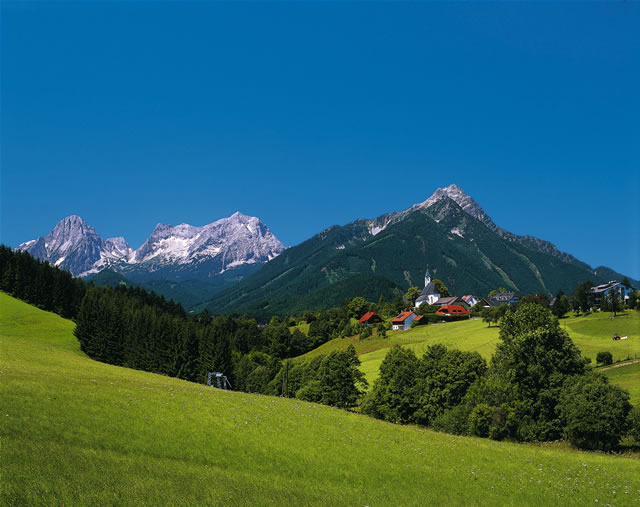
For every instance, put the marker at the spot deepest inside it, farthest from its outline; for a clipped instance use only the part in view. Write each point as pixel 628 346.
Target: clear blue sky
pixel 313 114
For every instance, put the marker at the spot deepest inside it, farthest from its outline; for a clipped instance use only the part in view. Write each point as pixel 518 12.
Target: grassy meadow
pixel 591 333
pixel 77 432
pixel 627 375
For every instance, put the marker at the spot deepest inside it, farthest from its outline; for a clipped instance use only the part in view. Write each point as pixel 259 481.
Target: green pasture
pixel 627 375
pixel 77 432
pixel 591 333
pixel 469 335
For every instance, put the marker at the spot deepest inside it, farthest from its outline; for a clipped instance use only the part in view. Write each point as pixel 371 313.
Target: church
pixel 430 292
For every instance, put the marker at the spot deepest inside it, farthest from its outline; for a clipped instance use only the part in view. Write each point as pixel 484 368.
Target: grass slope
pixel 591 333
pixel 77 432
pixel 626 375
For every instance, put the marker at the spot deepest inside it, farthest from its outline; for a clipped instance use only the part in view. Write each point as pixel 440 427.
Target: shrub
pixel 312 391
pixel 366 332
pixel 493 422
pixel 454 421
pixel 594 412
pixel 633 423
pixel 604 358
pixel 480 420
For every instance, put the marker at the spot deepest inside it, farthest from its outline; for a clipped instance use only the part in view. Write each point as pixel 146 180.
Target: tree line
pixel 537 387
pixel 130 327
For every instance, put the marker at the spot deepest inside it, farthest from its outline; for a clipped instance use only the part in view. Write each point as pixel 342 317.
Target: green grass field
pixel 627 375
pixel 591 333
pixel 77 432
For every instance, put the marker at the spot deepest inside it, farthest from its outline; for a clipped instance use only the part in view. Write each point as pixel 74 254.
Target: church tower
pixel 427 278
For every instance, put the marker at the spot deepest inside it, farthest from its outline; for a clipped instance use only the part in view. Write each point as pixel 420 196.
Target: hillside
pixel 627 375
pixel 462 247
pixel 78 432
pixel 591 333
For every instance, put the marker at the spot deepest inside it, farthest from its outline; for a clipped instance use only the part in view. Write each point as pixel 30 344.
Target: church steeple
pixel 427 278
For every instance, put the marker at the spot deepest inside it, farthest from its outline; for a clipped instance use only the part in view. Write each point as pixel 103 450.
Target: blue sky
pixel 313 114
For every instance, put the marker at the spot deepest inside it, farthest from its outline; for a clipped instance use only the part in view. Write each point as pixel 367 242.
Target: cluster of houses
pixel 449 306
pixel 461 306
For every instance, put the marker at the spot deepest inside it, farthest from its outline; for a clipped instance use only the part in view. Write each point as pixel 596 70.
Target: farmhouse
pixel 453 300
pixel 370 318
pixel 430 292
pixel 403 321
pixel 450 310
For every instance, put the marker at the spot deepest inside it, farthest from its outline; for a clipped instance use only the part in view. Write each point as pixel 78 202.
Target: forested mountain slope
pixel 470 256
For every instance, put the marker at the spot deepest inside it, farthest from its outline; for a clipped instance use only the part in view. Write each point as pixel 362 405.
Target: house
pixel 429 294
pixel 453 300
pixel 403 321
pixel 504 298
pixel 605 289
pixel 370 318
pixel 470 300
pixel 449 310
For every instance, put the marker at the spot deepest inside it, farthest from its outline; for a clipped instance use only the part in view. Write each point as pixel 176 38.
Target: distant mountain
pixel 238 243
pixel 75 246
pixel 449 232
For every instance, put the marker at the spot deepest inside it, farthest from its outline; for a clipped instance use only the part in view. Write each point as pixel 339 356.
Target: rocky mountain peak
pixel 226 243
pixel 466 202
pixel 68 232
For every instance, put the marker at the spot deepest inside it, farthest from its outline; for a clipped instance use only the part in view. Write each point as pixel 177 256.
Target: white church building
pixel 430 292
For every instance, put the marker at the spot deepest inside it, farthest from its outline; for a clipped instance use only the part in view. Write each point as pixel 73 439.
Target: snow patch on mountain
pixel 230 242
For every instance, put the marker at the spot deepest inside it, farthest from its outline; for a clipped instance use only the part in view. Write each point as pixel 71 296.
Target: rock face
pixel 209 250
pixel 75 246
pixel 170 251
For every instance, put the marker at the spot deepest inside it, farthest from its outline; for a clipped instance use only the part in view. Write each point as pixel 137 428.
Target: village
pixel 450 308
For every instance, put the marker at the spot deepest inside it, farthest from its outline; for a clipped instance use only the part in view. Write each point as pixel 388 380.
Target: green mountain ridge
pixel 470 256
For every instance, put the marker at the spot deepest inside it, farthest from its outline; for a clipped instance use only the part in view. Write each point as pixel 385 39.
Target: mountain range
pixel 449 232
pixel 239 243
pixel 236 264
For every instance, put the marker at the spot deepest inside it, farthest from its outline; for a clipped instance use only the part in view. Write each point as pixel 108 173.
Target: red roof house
pixel 370 318
pixel 452 310
pixel 403 321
